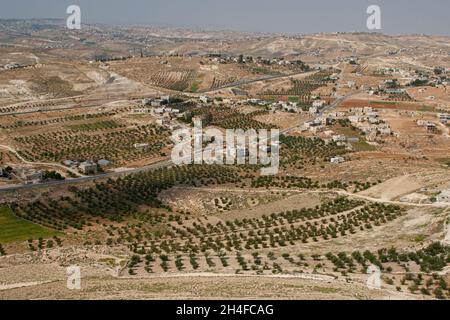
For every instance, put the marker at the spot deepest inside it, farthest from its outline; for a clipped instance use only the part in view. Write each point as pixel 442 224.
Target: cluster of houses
pixel 257 102
pixel 285 106
pixel 25 174
pixel 427 80
pixel 156 102
pixel 317 125
pixel 289 106
pixel 444 118
pixel 430 126
pixel 166 112
pixel 390 86
pixel 87 167
pixel 365 119
pixel 225 58
pixel 160 109
pixel 410 78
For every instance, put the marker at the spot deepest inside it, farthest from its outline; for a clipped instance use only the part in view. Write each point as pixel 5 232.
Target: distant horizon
pixel 210 29
pixel 289 17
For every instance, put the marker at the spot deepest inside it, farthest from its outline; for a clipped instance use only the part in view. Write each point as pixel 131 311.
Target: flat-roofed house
pixel 88 167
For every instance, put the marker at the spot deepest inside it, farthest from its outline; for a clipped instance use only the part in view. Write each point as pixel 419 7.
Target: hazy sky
pixel 293 16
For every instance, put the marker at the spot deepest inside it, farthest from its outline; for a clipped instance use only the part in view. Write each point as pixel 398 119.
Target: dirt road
pixel 50 164
pixel 340 192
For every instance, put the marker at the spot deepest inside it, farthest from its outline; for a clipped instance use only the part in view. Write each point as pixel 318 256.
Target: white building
pixel 318 103
pixel 88 167
pixel 313 110
pixel 337 160
pixel 161 122
pixel 339 138
pixel 355 119
pixel 141 110
pixel 156 103
pixel 30 176
pixel 159 111
pixel 140 145
pixel 385 130
pixel 444 118
pixel 205 99
pixel 444 196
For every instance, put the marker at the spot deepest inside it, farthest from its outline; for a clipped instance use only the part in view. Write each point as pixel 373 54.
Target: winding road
pixel 50 164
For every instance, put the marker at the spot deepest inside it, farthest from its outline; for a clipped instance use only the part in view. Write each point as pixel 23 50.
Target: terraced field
pixel 301 89
pixel 98 140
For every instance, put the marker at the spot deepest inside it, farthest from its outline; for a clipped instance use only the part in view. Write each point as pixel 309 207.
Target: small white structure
pixel 318 103
pixel 141 145
pixel 384 130
pixel 339 138
pixel 444 118
pixel 431 127
pixel 373 120
pixel 141 110
pixel 313 110
pixel 444 196
pixel 156 103
pixel 161 122
pixel 159 111
pixel 205 99
pixel 327 121
pixel 337 160
pixel 355 119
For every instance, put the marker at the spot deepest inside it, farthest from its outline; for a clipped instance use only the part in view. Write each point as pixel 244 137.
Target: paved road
pixel 161 164
pixel 249 81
